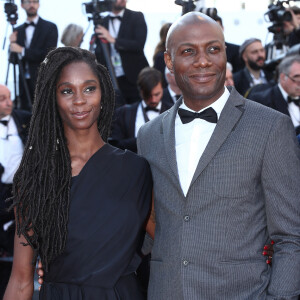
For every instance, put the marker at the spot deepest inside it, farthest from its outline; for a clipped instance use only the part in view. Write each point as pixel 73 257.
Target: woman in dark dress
pixel 80 204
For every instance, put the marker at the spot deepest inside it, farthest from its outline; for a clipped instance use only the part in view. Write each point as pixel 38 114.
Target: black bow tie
pixel 147 108
pixel 115 17
pixel 208 115
pixel 29 24
pixel 295 100
pixel 4 122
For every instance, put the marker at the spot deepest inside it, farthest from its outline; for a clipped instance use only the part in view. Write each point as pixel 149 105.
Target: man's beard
pixel 32 13
pixel 254 66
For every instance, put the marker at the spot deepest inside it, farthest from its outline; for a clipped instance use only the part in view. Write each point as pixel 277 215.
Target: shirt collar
pixel 218 105
pixel 144 105
pixel 120 14
pixel 6 118
pixel 35 20
pixel 283 92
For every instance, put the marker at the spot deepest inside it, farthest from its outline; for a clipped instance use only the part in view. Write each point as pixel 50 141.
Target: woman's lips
pixel 80 115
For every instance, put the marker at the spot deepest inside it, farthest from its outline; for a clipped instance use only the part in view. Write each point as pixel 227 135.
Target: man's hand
pixel 268 251
pixel 13 37
pixel 14 47
pixel 40 272
pixel 103 33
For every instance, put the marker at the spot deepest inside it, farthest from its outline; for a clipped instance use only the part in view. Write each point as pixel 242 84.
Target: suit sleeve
pixel 137 41
pixel 281 186
pixel 38 53
pixel 120 137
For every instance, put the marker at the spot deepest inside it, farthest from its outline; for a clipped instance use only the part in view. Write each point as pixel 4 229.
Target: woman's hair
pixel 70 34
pixel 41 189
pixel 161 46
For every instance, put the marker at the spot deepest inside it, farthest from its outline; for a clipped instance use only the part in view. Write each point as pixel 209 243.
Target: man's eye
pixel 213 49
pixel 188 50
pixel 90 89
pixel 66 91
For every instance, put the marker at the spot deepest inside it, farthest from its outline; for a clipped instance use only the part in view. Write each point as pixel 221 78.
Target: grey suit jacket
pixel 245 192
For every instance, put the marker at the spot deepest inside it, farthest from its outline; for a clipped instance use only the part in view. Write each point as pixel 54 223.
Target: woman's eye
pixel 66 91
pixel 90 89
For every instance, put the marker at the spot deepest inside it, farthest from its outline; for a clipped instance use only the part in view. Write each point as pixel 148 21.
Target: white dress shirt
pixel 140 120
pixel 293 109
pixel 113 28
pixel 191 140
pixel 11 149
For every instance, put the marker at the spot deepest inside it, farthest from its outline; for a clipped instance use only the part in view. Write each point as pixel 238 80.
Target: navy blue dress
pixel 110 201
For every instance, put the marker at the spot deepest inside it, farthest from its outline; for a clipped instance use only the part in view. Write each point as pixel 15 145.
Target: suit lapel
pixel 230 115
pixel 36 33
pixel 21 36
pixel 123 23
pixel 280 103
pixel 168 126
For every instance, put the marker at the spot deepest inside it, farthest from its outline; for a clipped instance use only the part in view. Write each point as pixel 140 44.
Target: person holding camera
pixel 32 41
pixel 292 28
pixel 125 31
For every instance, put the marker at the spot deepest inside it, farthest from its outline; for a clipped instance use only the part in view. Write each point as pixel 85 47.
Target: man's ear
pixel 168 61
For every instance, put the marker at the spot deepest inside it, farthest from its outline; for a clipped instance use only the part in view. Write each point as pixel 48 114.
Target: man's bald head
pixel 6 104
pixel 189 19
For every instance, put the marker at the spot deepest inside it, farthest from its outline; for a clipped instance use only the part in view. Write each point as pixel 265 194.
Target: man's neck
pixel 32 18
pixel 255 73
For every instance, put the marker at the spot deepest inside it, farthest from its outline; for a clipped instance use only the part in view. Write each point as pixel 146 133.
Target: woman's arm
pixel 20 285
pixel 150 225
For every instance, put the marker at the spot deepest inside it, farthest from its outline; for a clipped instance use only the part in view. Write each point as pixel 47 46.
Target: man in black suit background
pixel 284 96
pixel 13 133
pixel 254 55
pixel 130 117
pixel 172 92
pixel 32 41
pixel 126 32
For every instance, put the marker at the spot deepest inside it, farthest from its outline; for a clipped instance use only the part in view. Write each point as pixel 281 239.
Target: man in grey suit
pixel 225 183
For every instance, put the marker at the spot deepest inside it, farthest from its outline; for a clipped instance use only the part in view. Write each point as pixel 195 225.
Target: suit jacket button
pixel 186 218
pixel 185 263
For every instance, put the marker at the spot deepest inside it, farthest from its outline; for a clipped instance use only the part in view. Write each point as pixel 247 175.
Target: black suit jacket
pixel 130 44
pixel 233 56
pixel 22 120
pixel 271 97
pixel 123 129
pixel 44 38
pixel 242 80
pixel 167 98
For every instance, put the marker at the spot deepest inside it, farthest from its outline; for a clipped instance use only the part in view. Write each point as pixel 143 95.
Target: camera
pixel 277 14
pixel 187 5
pixel 210 11
pixel 96 7
pixel 10 8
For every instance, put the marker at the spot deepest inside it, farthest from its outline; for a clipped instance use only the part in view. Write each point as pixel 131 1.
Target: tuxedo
pixel 272 97
pixel 233 56
pixel 242 80
pixel 21 120
pixel 244 192
pixel 130 44
pixel 167 98
pixel 44 38
pixel 123 128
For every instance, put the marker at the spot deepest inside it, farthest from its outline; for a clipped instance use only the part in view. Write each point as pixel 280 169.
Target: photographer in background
pixel 126 31
pixel 32 40
pixel 292 28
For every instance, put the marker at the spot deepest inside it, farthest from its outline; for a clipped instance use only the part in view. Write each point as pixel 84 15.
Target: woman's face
pixel 78 96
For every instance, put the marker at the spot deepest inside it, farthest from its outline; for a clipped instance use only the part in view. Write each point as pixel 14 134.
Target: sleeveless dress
pixel 110 201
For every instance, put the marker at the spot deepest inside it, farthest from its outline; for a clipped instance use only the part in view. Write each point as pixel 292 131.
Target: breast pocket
pixel 234 175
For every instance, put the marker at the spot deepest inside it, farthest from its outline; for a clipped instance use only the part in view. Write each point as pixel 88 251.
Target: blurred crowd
pixel 144 89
